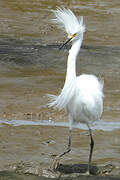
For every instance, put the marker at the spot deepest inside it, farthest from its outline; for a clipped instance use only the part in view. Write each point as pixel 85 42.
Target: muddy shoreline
pixel 30 149
pixel 31 67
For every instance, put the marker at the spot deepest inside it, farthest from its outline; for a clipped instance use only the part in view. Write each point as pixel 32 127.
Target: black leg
pixel 91 149
pixel 56 160
pixel 69 145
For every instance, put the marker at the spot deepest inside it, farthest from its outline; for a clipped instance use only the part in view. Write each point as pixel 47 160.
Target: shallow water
pixel 31 66
pixel 100 125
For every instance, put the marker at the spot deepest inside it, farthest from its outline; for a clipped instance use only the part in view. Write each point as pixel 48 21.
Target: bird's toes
pixel 55 163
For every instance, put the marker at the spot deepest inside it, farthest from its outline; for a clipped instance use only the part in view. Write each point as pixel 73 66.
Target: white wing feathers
pixel 64 98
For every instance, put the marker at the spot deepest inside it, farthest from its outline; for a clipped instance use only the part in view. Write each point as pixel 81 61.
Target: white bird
pixel 81 96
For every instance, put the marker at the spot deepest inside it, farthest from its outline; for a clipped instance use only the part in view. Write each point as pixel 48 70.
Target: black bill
pixel 65 43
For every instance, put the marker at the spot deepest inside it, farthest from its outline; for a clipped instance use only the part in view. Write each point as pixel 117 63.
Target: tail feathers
pixel 102 83
pixel 101 80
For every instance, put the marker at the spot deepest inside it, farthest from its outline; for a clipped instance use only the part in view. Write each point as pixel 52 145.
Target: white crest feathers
pixel 67 20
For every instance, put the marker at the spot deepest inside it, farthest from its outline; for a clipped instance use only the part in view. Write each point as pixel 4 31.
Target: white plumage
pixel 81 96
pixel 67 20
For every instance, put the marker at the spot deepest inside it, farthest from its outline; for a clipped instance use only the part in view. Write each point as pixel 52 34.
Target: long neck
pixel 68 90
pixel 71 63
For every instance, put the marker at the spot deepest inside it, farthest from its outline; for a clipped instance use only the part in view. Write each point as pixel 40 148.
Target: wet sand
pixel 27 149
pixel 31 149
pixel 31 67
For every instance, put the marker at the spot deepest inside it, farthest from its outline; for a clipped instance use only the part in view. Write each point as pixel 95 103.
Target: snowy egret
pixel 81 96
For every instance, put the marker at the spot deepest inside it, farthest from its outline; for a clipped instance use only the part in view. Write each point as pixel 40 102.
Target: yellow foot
pixel 87 173
pixel 55 163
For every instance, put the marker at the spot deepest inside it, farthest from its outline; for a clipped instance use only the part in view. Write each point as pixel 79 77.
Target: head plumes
pixel 67 20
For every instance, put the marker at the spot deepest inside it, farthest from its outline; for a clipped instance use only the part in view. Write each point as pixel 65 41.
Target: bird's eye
pixel 74 35
pixel 71 36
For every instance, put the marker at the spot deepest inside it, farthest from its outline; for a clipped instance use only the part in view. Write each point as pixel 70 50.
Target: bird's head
pixel 73 26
